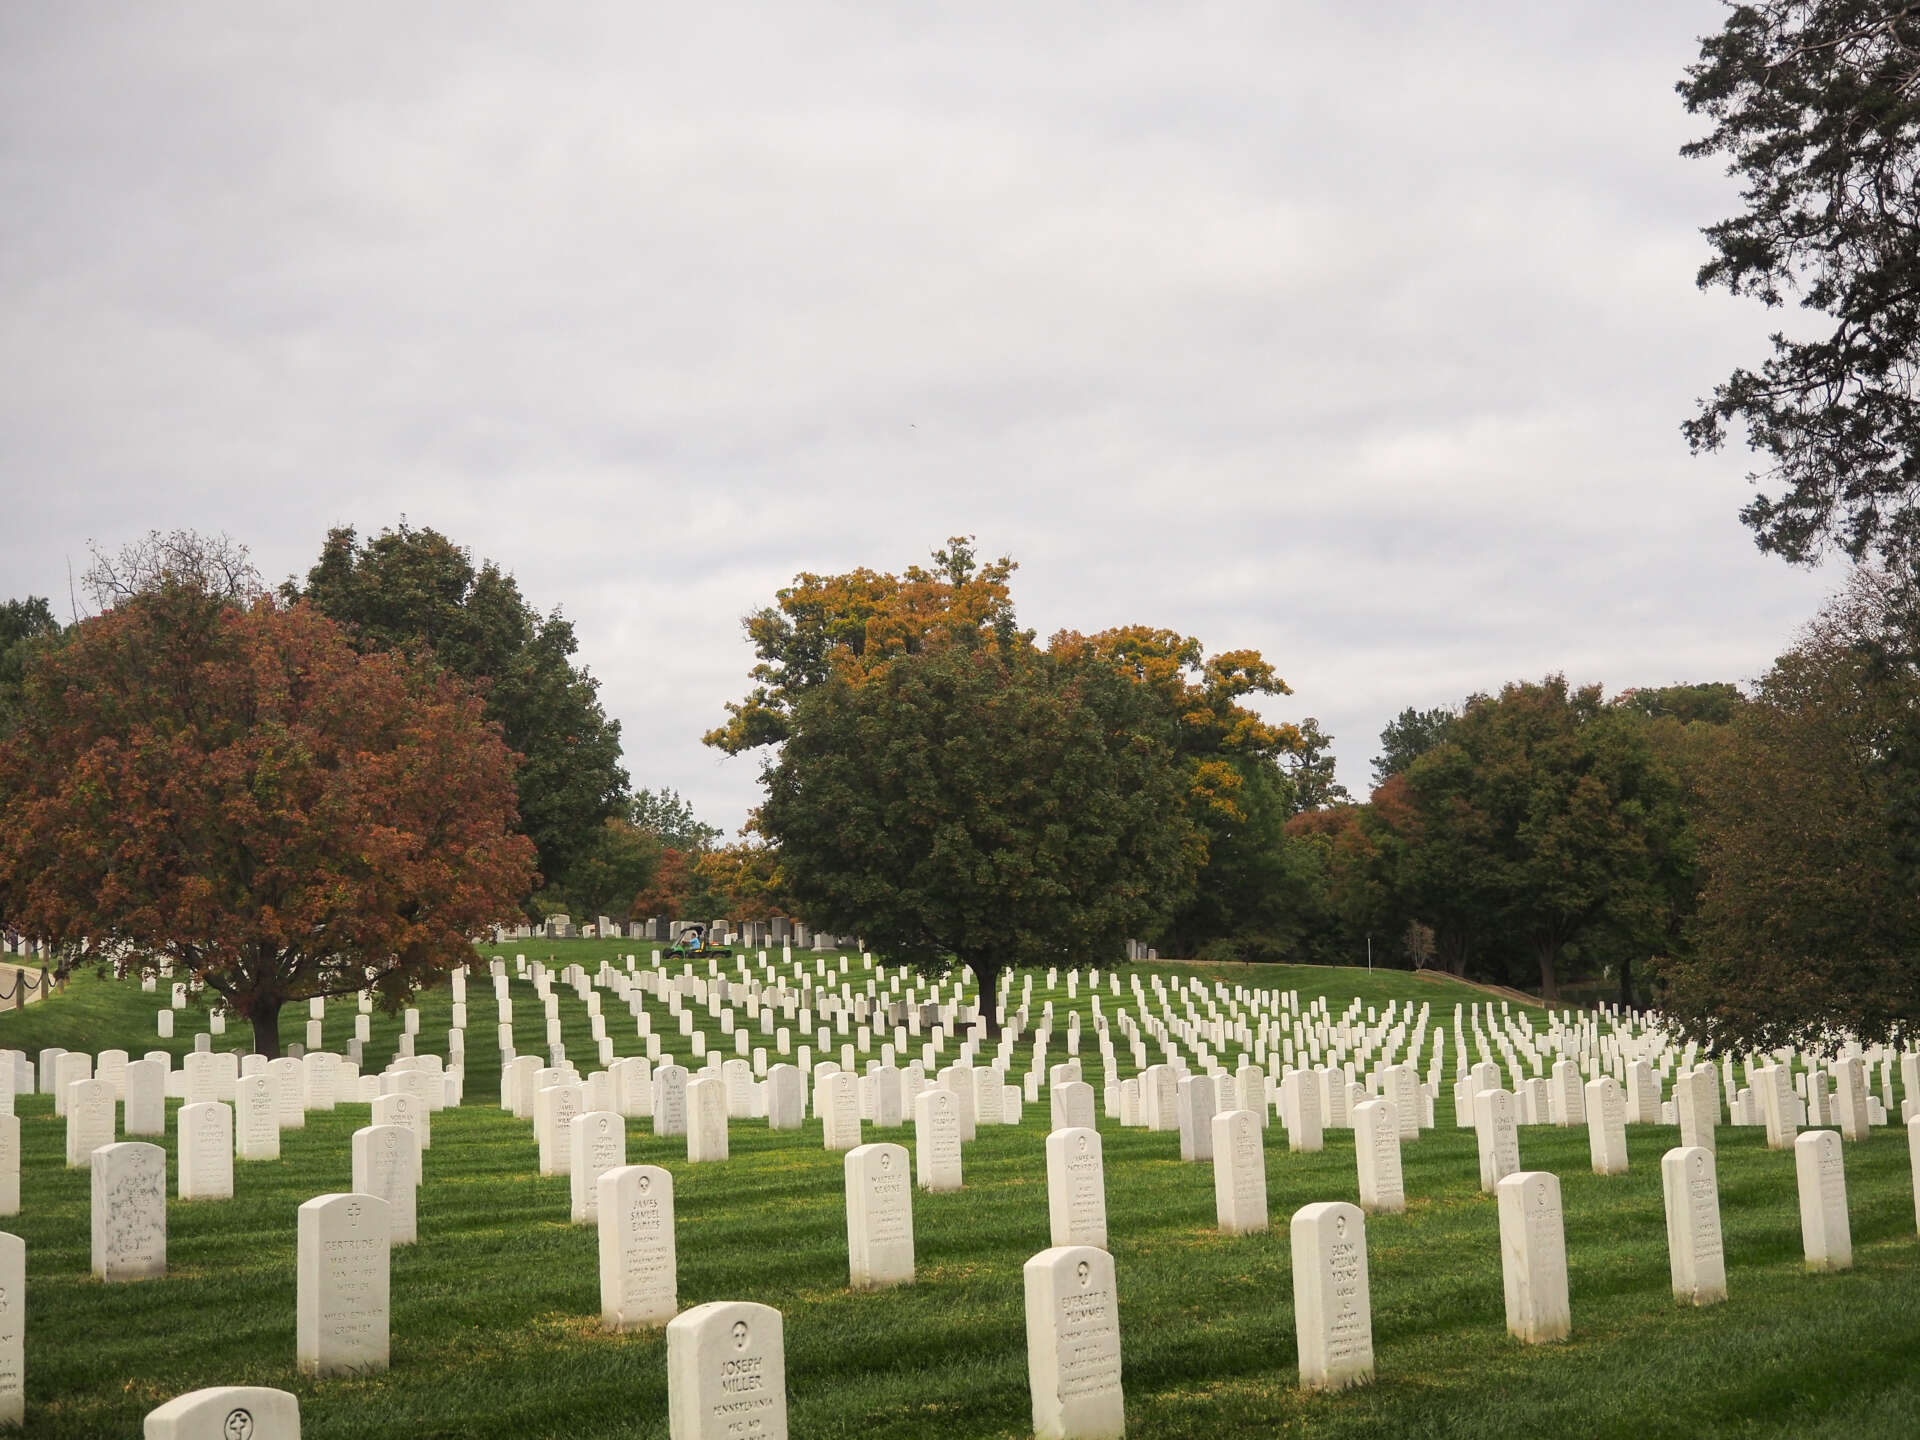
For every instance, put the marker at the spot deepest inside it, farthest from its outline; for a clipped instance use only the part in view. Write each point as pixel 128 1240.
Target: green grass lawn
pixel 496 1311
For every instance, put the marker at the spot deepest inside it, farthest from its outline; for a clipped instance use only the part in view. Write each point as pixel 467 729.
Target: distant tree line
pixel 942 783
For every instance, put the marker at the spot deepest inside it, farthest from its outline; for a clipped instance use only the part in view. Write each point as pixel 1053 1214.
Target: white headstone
pixel 838 1099
pixel 1158 1096
pixel 386 1163
pixel 13 1329
pixel 598 1144
pixel 320 1072
pixel 1496 1127
pixel 341 1285
pixel 1403 1091
pixel 726 1373
pixel 398 1107
pixel 1643 1094
pixel 256 1120
pixel 129 1211
pixel 1376 1151
pixel 1694 1253
pixel 639 1276
pixel 936 1140
pixel 206 1151
pixel 145 1109
pixel 1850 1097
pixel 1569 1098
pixel 1073 1345
pixel 1332 1303
pixel 554 1107
pixel 1533 1256
pixel 69 1068
pixel 10 1164
pixel 707 1118
pixel 1606 1126
pixel 670 1100
pixel 1194 1101
pixel 1250 1089
pixel 1824 1228
pixel 226 1412
pixel 1240 1173
pixel 1775 1083
pixel 90 1119
pixel 1077 1187
pixel 1913 1158
pixel 786 1098
pixel 292 1083
pixel 879 1216
pixel 1072 1105
pixel 1300 1102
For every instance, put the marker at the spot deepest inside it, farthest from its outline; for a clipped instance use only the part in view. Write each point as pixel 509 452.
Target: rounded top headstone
pixel 227 1412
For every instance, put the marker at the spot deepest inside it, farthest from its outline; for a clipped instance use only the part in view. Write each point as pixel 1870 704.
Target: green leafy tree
pixel 416 590
pixel 613 871
pixel 1408 736
pixel 670 819
pixel 1544 820
pixel 1711 704
pixel 1249 893
pixel 1310 769
pixel 27 627
pixel 1815 105
pixel 853 628
pixel 742 880
pixel 1422 849
pixel 1809 917
pixel 980 805
pixel 1244 900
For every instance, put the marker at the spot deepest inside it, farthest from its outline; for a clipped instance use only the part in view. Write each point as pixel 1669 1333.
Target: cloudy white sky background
pixel 1359 335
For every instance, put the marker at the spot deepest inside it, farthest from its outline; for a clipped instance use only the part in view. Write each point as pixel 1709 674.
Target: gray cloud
pixel 1359 335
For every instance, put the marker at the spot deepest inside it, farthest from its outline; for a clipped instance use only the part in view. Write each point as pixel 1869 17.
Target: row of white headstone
pixel 344 1241
pixel 726 1360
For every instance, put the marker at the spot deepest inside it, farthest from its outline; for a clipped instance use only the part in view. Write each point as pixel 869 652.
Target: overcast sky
pixel 1359 335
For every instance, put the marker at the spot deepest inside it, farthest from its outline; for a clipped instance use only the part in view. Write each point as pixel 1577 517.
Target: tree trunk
pixel 266 1028
pixel 988 974
pixel 1548 953
pixel 1626 982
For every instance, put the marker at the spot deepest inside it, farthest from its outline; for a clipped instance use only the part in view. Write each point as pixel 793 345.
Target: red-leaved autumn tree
pixel 236 789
